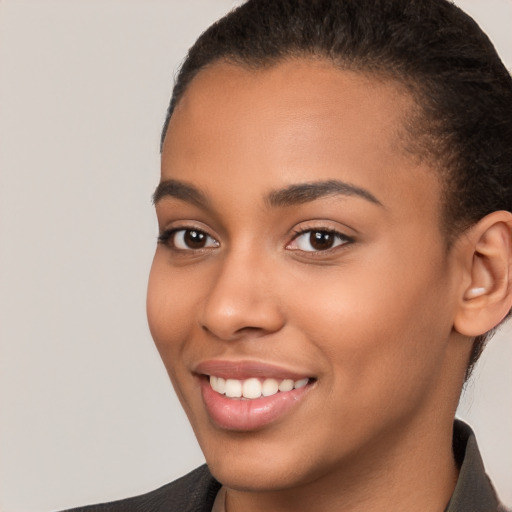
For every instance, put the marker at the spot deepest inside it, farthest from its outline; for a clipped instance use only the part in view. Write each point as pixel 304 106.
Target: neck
pixel 410 469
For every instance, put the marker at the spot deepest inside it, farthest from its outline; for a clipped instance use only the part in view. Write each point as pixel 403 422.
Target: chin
pixel 265 461
pixel 258 475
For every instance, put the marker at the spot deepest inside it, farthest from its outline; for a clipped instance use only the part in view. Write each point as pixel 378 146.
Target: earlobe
pixel 487 295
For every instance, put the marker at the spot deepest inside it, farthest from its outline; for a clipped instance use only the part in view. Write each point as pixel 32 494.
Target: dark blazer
pixel 196 491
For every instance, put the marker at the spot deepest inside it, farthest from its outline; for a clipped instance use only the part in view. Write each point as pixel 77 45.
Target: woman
pixel 334 252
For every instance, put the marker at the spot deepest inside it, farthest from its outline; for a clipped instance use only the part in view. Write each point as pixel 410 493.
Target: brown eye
pixel 188 239
pixel 193 239
pixel 321 240
pixel 318 240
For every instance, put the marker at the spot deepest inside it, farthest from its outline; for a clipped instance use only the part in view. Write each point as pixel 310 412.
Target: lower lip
pixel 254 414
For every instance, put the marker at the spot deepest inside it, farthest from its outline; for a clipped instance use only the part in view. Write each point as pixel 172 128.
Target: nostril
pixel 242 332
pixel 249 330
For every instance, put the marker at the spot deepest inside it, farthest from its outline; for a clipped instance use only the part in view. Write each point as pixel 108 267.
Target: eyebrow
pixel 292 195
pixel 306 192
pixel 179 190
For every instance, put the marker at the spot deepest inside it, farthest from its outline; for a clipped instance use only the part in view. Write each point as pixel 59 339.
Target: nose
pixel 241 301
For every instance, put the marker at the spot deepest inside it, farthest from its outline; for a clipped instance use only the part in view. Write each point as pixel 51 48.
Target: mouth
pixel 254 388
pixel 250 396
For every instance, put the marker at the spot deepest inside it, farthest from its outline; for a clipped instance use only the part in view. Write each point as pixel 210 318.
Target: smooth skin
pixel 379 313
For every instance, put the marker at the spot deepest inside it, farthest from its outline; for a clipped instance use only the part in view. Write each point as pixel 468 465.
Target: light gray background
pixel 86 410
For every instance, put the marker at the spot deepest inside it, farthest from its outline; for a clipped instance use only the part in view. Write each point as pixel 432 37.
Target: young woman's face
pixel 300 248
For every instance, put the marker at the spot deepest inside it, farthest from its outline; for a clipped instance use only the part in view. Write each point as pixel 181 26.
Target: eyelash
pixel 340 239
pixel 167 236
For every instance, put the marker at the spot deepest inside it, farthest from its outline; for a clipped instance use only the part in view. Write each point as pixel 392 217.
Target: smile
pixel 254 388
pixel 251 395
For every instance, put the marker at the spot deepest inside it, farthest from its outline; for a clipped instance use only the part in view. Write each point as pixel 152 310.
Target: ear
pixel 486 292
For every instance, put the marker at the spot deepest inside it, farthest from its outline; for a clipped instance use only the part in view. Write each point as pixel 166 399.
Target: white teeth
pixel 233 388
pixel 286 385
pixel 221 385
pixel 270 387
pixel 251 388
pixel 254 388
pixel 300 383
pixel 218 384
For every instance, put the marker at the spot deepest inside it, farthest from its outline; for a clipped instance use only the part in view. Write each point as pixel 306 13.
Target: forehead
pixel 298 120
pixel 312 94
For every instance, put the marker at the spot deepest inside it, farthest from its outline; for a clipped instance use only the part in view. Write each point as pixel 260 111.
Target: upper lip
pixel 246 369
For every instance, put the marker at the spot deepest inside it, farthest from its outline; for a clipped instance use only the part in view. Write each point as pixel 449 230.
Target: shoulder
pixel 194 492
pixel 474 491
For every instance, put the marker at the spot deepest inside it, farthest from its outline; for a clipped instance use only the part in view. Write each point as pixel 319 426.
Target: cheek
pixel 170 303
pixel 382 330
pixel 169 306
